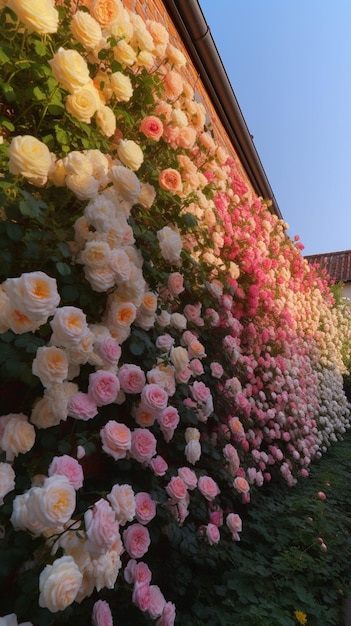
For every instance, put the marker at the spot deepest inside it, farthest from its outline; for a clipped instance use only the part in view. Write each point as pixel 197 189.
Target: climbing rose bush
pixel 165 349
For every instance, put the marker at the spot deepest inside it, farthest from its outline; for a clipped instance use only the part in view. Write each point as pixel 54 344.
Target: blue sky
pixel 289 63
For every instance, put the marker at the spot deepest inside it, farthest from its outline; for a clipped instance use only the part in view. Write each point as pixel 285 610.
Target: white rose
pixel 101 279
pixel 170 244
pixel 126 183
pixel 7 480
pixel 69 326
pixel 83 186
pixel 82 104
pixel 40 16
pixel 122 86
pixel 100 213
pixel 95 254
pixel 106 121
pixel 178 321
pixel 31 158
pixel 120 265
pixel 70 69
pixel 106 569
pixel 193 451
pixel 34 294
pixel 20 518
pixel 130 154
pixel 53 504
pixel 86 30
pixel 50 365
pixel 76 162
pixel 59 584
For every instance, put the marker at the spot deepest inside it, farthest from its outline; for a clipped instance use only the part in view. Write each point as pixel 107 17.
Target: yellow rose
pixel 124 53
pixel 130 154
pixel 70 69
pixel 121 86
pixel 18 436
pixel 31 158
pixel 82 104
pixel 59 584
pixel 106 121
pixel 40 16
pixel 86 30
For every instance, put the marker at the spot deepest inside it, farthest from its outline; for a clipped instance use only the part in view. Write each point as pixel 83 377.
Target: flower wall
pixel 165 349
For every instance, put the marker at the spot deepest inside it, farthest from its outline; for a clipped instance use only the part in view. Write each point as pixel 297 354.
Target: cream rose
pixel 40 16
pixel 124 53
pixel 69 326
pixel 31 158
pixel 106 120
pixel 52 504
pixel 82 104
pixel 170 244
pixel 50 365
pixel 59 584
pixel 34 294
pixel 130 154
pixel 18 436
pixel 122 86
pixel 86 30
pixel 70 69
pixel 7 480
pixel 126 183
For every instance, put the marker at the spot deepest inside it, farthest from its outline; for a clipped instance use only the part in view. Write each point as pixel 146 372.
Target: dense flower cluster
pixel 184 351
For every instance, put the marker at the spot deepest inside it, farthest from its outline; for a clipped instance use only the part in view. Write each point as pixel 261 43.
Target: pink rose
pixel 234 524
pixel 136 540
pixel 174 84
pixel 102 615
pixel 154 397
pixel 141 596
pixel 129 571
pixel 168 615
pixel 241 484
pixel 216 370
pixel 188 476
pixel 67 466
pixel 152 127
pixel 103 387
pixel 208 487
pixel 81 406
pixel 143 445
pixel 175 283
pixel 196 367
pixel 110 351
pixel 158 465
pixel 116 439
pixel 164 342
pixel 176 489
pixel 168 421
pixel 145 507
pixel 192 313
pixel 216 517
pixel 199 391
pixel 122 500
pixel 142 573
pixel 170 180
pixel 157 602
pixel 212 534
pixel 186 138
pixel 7 480
pixel 132 378
pixel 101 527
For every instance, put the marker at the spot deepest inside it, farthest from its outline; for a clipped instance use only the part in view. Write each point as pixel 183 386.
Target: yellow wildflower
pixel 301 617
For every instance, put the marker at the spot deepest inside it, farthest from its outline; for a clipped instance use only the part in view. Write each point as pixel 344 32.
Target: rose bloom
pixel 147 195
pixel 143 446
pixel 132 378
pixel 212 534
pixel 59 584
pixel 178 321
pixel 17 436
pixel 175 283
pixel 50 365
pixel 102 529
pixel 122 500
pixel 164 342
pixel 116 439
pixel 154 397
pixel 241 484
pixel 33 294
pixel 121 86
pixel 40 16
pixel 101 615
pixel 82 104
pixel 234 524
pixel 106 120
pixel 86 30
pixel 67 466
pixel 208 487
pixel 52 504
pixel 188 476
pixel 103 387
pixel 152 127
pixel 136 540
pixel 7 480
pixel 120 264
pixel 158 465
pixel 186 138
pixel 168 615
pixel 145 507
pixel 163 375
pixel 69 326
pixel 173 83
pixel 168 420
pixel 157 602
pixel 170 244
pixel 126 183
pixel 106 12
pixel 143 416
pixel 130 154
pixel 95 253
pixel 110 351
pixel 124 53
pixel 216 370
pixel 81 406
pixel 70 69
pixel 30 158
pixel 141 596
pixel 176 489
pixel 170 180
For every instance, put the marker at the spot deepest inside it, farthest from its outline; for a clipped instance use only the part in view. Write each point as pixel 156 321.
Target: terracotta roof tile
pixel 337 264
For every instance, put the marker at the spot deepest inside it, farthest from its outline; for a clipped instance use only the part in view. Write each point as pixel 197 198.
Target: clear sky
pixel 289 63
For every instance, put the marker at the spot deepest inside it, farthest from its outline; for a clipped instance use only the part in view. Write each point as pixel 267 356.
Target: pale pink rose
pixel 163 109
pixel 116 439
pixel 143 445
pixel 158 465
pixel 199 391
pixel 67 466
pixel 170 180
pixel 69 326
pixel 34 294
pixel 80 452
pixel 196 367
pixel 101 615
pixel 17 435
pixel 168 615
pixel 216 370
pixel 154 397
pixel 101 526
pixel 152 127
pixel 143 415
pixel 122 500
pixel 103 387
pixel 164 342
pixel 183 376
pixel 168 420
pixel 208 487
pixel 163 375
pixel 52 504
pixel 186 138
pixel 232 457
pixel 59 584
pixel 136 540
pixel 241 485
pixel 175 283
pixel 129 571
pixel 110 351
pixel 81 406
pixel 178 321
pixel 174 84
pixel 145 507
pixel 176 489
pixel 142 573
pixel 216 517
pixel 188 476
pixel 212 534
pixel 141 596
pixel 132 378
pixel 193 451
pixel 234 524
pixel 157 602
pixel 7 480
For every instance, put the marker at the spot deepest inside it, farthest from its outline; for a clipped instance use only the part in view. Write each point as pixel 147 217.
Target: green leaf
pixel 38 93
pixel 14 231
pixel 63 268
pixel 40 48
pixel 136 346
